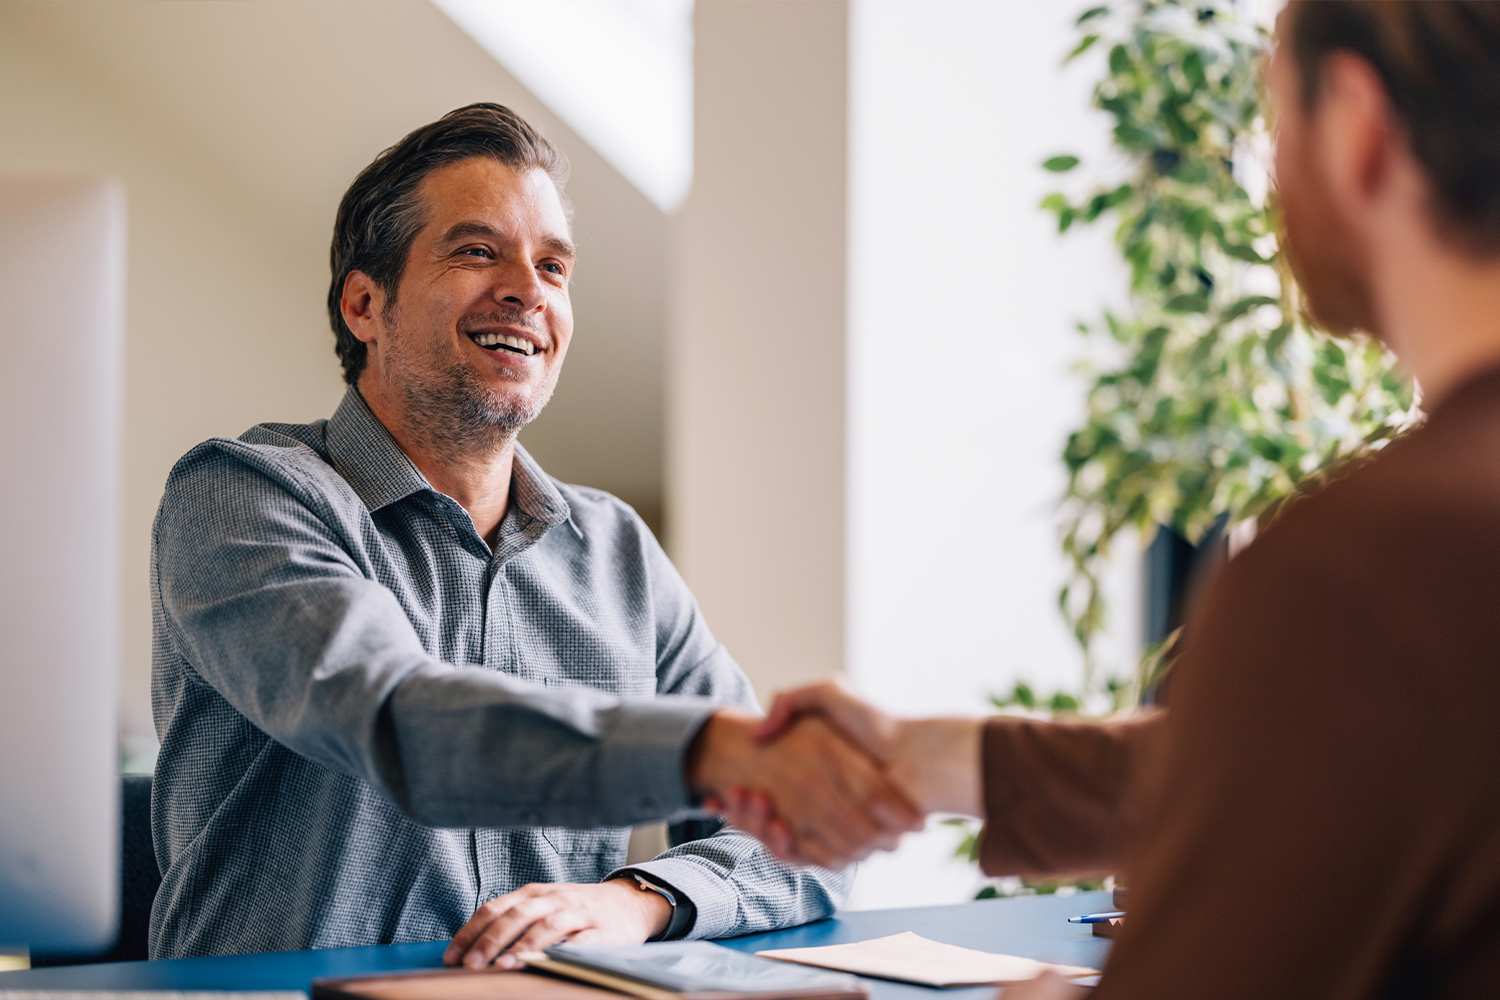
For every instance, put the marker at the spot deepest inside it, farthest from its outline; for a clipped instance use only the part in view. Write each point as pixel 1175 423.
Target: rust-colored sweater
pixel 1318 812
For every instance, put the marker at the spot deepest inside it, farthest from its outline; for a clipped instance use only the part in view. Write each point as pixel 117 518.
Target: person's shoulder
pixel 1399 551
pixel 293 456
pixel 598 513
pixel 1435 491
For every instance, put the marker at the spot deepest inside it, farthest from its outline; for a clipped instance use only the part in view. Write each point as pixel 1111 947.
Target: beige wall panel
pixel 756 366
pixel 236 127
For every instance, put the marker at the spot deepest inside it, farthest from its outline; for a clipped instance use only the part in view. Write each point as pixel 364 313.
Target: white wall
pixel 962 300
pixel 756 365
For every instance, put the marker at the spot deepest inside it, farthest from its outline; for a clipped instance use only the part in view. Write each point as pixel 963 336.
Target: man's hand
pixel 1048 986
pixel 935 762
pixel 538 916
pixel 836 804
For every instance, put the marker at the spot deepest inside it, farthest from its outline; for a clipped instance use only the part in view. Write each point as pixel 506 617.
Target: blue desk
pixel 1034 926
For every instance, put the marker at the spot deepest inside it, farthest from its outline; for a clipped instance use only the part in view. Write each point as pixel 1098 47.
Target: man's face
pixel 1326 252
pixel 481 322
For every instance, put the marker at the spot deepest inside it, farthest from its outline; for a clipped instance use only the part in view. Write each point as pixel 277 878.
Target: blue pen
pixel 1097 918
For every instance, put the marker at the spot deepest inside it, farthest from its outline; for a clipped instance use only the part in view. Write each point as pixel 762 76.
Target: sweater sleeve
pixel 1065 798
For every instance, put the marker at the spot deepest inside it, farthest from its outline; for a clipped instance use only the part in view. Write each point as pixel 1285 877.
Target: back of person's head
pixel 381 213
pixel 1440 63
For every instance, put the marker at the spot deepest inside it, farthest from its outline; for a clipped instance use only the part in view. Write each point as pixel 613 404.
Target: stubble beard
pixel 449 408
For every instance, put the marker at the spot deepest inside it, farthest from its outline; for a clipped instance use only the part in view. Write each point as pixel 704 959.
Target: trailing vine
pixel 1218 395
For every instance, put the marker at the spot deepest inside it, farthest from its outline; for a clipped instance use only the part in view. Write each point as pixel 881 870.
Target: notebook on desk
pixel 675 970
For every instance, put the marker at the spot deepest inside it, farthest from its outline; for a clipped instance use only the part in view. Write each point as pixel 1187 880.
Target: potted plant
pixel 1212 397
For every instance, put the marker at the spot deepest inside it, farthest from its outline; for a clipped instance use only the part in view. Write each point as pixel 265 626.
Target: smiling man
pixel 409 687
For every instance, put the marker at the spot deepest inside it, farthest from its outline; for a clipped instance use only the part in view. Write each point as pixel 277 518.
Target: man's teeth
pixel 500 340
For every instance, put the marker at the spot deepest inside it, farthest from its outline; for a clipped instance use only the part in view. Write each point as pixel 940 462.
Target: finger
pixel 743 816
pixel 846 822
pixel 505 928
pixel 868 728
pixel 543 934
pixel 813 846
pixel 1048 986
pixel 788 705
pixel 863 812
pixel 482 918
pixel 874 795
pixel 779 839
pixel 814 794
pixel 471 929
pixel 782 714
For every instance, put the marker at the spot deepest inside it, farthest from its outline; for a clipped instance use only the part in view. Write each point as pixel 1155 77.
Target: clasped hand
pixel 826 778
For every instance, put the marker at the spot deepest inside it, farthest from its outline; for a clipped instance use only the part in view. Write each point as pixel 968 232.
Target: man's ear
pixel 362 303
pixel 1358 133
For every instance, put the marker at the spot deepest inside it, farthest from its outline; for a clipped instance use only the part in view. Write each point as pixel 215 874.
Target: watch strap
pixel 677 924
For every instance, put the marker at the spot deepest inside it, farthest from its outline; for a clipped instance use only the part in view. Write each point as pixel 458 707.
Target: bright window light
pixel 619 72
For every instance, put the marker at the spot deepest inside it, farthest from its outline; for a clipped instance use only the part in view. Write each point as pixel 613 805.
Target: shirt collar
pixel 533 491
pixel 368 458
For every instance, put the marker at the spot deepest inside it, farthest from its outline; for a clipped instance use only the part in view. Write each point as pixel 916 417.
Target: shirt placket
pixel 500 653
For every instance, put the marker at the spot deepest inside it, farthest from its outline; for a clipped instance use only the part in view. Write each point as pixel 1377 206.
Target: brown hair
pixel 1440 63
pixel 380 215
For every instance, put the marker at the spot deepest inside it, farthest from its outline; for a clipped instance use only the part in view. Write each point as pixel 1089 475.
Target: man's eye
pixel 476 252
pixel 553 267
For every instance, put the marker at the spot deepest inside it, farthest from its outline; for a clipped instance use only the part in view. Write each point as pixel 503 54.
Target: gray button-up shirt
pixel 367 715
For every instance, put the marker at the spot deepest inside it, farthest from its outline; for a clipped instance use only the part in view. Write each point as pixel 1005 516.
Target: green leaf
pixel 1187 304
pixel 1237 309
pixel 1082 47
pixel 1240 251
pixel 1090 14
pixel 1064 702
pixel 1060 164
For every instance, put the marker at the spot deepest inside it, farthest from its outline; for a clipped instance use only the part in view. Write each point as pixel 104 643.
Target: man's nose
pixel 518 285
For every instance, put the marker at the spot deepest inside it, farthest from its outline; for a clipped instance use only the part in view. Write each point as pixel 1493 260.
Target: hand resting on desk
pixel 538 916
pixel 1047 986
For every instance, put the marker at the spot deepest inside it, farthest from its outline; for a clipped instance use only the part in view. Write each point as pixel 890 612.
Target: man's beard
pixel 449 406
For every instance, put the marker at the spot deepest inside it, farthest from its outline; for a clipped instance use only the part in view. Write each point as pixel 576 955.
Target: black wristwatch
pixel 682 910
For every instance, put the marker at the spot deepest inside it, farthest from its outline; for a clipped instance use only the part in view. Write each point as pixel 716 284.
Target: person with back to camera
pixel 1315 814
pixel 410 687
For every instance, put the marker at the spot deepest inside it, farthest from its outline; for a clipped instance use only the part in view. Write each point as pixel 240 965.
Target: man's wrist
pixel 656 910
pixel 939 764
pixel 724 740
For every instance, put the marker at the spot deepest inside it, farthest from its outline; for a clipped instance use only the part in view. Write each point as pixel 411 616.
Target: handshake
pixel 827 779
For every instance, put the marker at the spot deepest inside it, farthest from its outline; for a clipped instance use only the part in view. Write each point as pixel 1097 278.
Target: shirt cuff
pixel 714 899
pixel 643 749
pixel 684 913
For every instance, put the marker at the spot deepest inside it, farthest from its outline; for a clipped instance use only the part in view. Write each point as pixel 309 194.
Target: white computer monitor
pixel 62 274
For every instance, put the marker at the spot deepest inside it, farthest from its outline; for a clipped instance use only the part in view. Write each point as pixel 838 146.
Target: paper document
pixel 912 958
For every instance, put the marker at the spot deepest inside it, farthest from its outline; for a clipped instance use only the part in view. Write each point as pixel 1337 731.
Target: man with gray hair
pixel 410 687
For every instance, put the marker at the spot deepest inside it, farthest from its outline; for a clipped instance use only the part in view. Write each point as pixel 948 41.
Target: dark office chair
pixel 139 877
